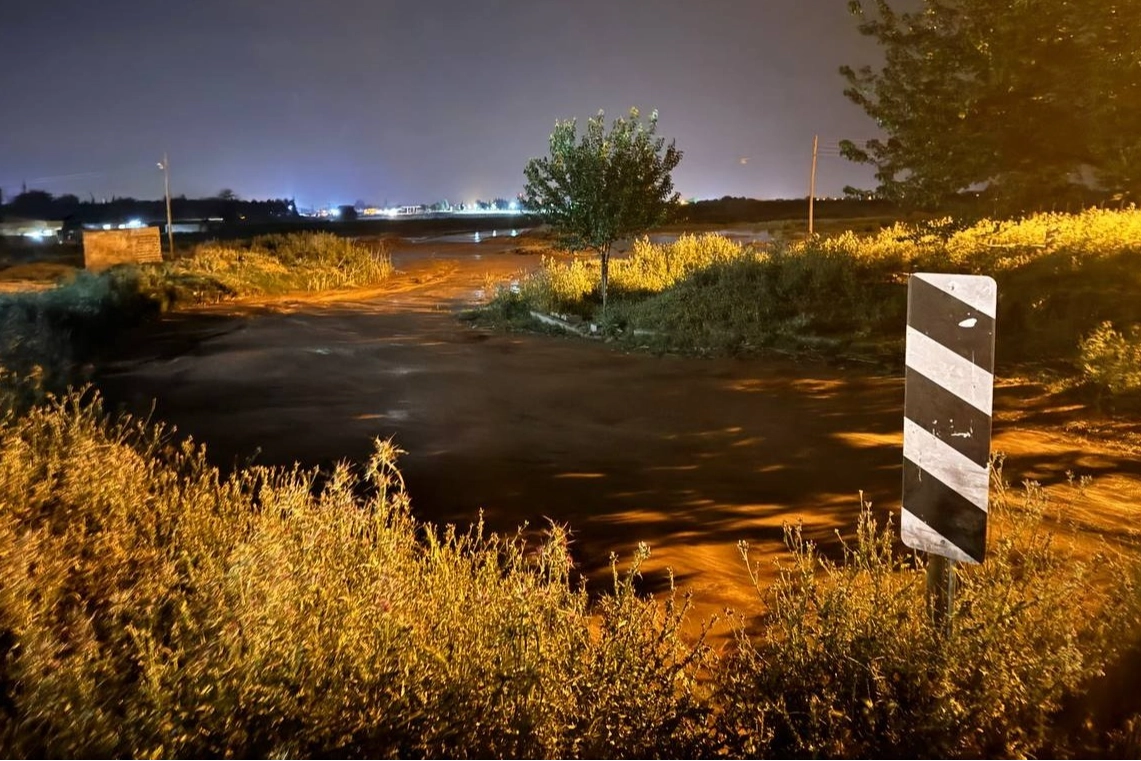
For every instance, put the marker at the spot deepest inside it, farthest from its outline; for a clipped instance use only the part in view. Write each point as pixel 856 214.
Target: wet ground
pixel 689 455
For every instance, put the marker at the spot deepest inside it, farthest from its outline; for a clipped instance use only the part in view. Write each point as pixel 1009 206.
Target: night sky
pixel 410 101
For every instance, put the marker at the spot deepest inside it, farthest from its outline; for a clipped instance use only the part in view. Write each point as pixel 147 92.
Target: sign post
pixel 947 426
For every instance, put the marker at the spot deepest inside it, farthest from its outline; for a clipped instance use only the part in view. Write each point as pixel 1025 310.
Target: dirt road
pixel 686 454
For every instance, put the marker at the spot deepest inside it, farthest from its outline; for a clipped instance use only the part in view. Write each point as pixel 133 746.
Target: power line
pixel 56 179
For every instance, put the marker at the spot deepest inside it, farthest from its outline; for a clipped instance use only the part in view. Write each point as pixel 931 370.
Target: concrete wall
pixel 106 248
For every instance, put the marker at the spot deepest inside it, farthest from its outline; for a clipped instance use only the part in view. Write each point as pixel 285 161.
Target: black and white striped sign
pixel 947 414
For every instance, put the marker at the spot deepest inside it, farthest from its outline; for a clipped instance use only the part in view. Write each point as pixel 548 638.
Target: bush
pixel 1111 361
pixel 849 664
pixel 152 608
pixel 716 309
pixel 43 334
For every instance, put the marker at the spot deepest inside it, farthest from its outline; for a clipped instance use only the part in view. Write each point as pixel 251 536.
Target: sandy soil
pixel 689 455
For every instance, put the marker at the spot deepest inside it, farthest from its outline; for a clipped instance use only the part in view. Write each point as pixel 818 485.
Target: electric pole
pixel 164 165
pixel 812 188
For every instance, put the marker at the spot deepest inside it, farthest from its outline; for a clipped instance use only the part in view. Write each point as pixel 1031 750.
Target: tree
pixel 606 187
pixel 1031 98
pixel 32 204
pixel 226 194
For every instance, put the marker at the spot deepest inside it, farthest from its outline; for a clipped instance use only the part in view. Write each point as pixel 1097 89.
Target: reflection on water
pixel 739 236
pixel 471 237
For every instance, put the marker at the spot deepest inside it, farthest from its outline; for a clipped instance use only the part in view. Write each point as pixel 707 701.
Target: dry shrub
pixel 151 608
pixel 849 663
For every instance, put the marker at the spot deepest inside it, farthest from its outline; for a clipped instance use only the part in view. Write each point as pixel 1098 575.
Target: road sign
pixel 947 414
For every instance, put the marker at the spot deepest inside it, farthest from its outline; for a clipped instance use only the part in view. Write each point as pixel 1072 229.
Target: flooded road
pixel 689 455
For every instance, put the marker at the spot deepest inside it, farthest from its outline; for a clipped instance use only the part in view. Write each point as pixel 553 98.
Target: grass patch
pixel 277 264
pixel 1060 277
pixel 850 665
pixel 46 334
pixel 152 608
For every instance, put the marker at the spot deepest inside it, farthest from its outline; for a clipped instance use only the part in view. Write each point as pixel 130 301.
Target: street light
pixel 164 165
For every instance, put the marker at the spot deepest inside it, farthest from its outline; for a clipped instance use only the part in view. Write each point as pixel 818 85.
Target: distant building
pixel 180 226
pixel 37 229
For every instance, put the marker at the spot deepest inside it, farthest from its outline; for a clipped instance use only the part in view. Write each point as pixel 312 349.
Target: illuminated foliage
pixel 1032 99
pixel 608 186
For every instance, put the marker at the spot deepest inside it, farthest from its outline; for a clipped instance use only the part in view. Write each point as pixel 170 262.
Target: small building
pixel 36 229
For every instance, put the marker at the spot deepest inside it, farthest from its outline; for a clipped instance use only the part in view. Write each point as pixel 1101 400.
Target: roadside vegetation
pixel 272 265
pixel 152 607
pixel 1067 292
pixel 608 185
pixel 46 335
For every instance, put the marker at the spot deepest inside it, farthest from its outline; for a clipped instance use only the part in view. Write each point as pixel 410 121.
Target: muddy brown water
pixel 689 455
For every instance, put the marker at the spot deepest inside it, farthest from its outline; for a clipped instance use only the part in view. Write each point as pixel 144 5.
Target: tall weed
pixel 275 264
pixel 152 608
pixel 850 664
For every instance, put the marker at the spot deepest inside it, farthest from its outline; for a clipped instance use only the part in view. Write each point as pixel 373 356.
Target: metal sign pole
pixel 812 188
pixel 941 591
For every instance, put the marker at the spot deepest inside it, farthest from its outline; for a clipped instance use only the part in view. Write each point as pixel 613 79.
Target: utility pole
pixel 812 187
pixel 165 166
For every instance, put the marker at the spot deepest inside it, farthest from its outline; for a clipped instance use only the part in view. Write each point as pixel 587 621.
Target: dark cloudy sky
pixel 413 100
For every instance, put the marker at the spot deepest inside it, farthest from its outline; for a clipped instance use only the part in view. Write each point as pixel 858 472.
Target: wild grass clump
pixel 44 334
pixel 276 264
pixel 1060 276
pixel 573 285
pixel 714 310
pixel 848 662
pixel 151 607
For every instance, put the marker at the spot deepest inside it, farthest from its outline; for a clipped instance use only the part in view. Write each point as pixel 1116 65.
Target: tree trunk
pixel 605 254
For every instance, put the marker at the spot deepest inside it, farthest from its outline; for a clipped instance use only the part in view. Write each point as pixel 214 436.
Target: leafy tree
pixel 608 186
pixel 226 194
pixel 1031 98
